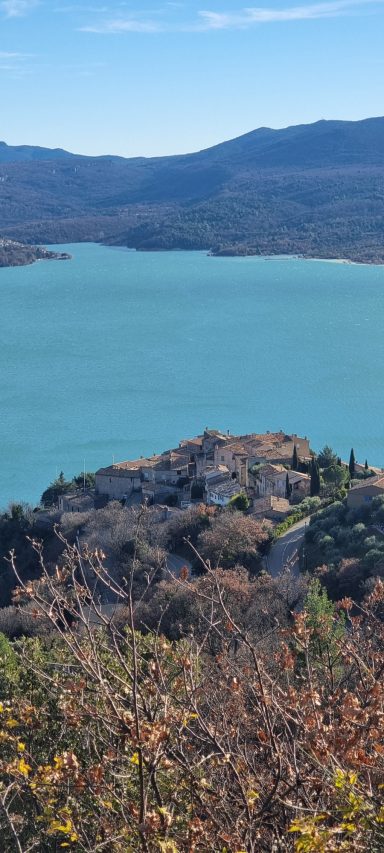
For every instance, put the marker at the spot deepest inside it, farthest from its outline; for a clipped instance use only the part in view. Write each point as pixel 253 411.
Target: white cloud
pixel 123 25
pixel 79 9
pixel 260 15
pixel 243 19
pixel 17 8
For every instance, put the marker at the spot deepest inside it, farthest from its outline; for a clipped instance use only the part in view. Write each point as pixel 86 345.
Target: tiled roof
pixel 370 481
pixel 226 489
pixel 118 469
pixel 296 476
pixel 270 470
pixel 271 502
pixel 236 448
pixel 277 453
pixel 198 441
pixel 216 469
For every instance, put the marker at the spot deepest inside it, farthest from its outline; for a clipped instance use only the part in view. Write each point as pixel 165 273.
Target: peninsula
pixel 14 254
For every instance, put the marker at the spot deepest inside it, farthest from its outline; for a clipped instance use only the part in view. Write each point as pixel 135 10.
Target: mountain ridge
pixel 17 153
pixel 36 152
pixel 313 189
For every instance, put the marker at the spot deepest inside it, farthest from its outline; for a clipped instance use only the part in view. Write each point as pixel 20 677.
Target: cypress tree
pixel 295 459
pixel 288 487
pixel 351 465
pixel 315 478
pixel 366 465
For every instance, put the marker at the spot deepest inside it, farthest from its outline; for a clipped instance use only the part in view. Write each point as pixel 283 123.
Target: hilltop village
pixel 270 470
pixel 266 473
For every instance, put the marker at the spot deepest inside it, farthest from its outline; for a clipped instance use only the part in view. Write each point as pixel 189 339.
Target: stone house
pixel 221 494
pixel 154 493
pixel 300 485
pixel 364 493
pixel 81 502
pixel 216 474
pixel 201 448
pixel 119 480
pixel 235 457
pixel 272 480
pixel 271 507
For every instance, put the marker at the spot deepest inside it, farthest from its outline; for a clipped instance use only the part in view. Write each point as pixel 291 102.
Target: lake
pixel 117 353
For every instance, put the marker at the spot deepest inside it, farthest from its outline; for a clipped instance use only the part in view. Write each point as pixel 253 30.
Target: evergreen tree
pixel 295 459
pixel 239 502
pixel 315 478
pixel 59 487
pixel 85 480
pixel 351 465
pixel 327 457
pixel 366 465
pixel 328 629
pixel 288 487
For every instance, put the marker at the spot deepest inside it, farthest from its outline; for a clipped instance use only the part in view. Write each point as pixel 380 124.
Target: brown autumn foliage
pixel 256 603
pixel 233 537
pixel 116 741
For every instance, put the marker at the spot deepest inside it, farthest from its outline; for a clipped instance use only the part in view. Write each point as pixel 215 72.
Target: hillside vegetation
pixel 316 190
pixel 245 725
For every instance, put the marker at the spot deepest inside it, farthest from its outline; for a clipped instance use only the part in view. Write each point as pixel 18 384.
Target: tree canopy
pixel 327 457
pixel 60 486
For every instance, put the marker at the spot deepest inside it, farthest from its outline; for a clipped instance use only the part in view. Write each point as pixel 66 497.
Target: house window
pixel 222 458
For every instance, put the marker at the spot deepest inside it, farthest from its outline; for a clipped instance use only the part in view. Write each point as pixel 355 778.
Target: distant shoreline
pixel 234 252
pixel 28 255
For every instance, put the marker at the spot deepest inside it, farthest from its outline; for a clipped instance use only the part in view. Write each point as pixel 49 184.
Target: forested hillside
pixel 315 189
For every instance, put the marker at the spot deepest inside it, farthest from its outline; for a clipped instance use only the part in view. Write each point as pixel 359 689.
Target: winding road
pixel 285 551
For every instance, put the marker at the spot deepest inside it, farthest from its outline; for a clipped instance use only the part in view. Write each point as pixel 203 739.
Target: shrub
pixel 239 502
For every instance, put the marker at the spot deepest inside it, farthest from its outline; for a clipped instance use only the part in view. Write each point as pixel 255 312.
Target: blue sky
pixel 151 77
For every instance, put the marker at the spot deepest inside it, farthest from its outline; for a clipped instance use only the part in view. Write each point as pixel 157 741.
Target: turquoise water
pixel 118 353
